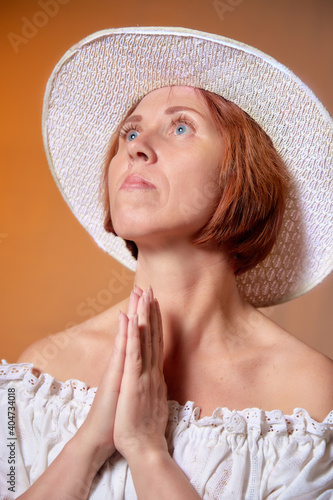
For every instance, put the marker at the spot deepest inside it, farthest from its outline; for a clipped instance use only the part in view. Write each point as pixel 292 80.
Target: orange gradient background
pixel 52 273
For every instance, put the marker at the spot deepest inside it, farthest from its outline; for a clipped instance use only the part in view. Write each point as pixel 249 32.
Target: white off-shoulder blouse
pixel 238 455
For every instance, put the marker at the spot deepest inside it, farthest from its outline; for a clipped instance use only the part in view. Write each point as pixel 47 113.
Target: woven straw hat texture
pixel 97 81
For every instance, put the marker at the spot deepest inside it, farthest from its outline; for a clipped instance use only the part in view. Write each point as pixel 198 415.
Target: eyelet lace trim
pixel 252 420
pixel 236 422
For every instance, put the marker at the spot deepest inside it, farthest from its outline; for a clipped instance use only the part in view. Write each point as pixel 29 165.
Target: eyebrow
pixel 168 111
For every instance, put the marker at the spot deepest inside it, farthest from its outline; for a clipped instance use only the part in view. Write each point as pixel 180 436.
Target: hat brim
pixel 99 79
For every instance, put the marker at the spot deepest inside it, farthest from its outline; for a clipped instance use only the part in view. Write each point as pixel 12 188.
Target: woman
pixel 197 191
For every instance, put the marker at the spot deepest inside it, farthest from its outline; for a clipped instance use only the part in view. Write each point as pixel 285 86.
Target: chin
pixel 132 225
pixel 127 233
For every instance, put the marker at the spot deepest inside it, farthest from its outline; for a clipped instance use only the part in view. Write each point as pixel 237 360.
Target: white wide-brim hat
pixel 98 80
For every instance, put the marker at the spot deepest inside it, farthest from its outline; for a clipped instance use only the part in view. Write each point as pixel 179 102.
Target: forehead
pixel 173 96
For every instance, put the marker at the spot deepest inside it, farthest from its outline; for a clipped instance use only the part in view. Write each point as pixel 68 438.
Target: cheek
pixel 200 200
pixel 194 198
pixel 114 174
pixel 199 182
pixel 210 185
pixel 110 189
pixel 210 180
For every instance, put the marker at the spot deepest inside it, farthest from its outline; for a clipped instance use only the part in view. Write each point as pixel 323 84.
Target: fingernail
pixel 137 290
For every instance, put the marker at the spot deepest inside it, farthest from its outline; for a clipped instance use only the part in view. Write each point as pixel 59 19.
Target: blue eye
pixel 129 132
pixel 181 129
pixel 132 135
pixel 183 125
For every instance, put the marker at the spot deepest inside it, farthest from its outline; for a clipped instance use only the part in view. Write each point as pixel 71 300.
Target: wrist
pixel 147 454
pixel 89 450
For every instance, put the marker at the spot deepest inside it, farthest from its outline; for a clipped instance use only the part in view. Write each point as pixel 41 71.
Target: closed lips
pixel 135 179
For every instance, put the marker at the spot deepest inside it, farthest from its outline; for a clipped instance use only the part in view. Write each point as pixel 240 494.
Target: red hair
pixel 253 185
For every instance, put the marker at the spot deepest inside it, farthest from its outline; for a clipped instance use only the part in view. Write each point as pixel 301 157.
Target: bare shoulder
pixel 304 375
pixel 80 352
pixel 314 381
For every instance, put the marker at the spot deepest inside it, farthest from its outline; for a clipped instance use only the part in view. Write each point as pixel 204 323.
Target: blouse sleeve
pixel 38 416
pixel 305 470
pixel 254 455
pixel 14 472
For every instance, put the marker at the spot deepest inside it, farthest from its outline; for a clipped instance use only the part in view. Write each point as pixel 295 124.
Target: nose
pixel 142 150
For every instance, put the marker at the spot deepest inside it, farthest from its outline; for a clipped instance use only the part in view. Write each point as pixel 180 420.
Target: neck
pixel 197 293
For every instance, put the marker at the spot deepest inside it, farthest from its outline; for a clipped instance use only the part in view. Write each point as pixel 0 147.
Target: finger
pixel 155 335
pixel 144 329
pixel 161 339
pixel 115 367
pixel 133 361
pixel 132 304
pixel 138 290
